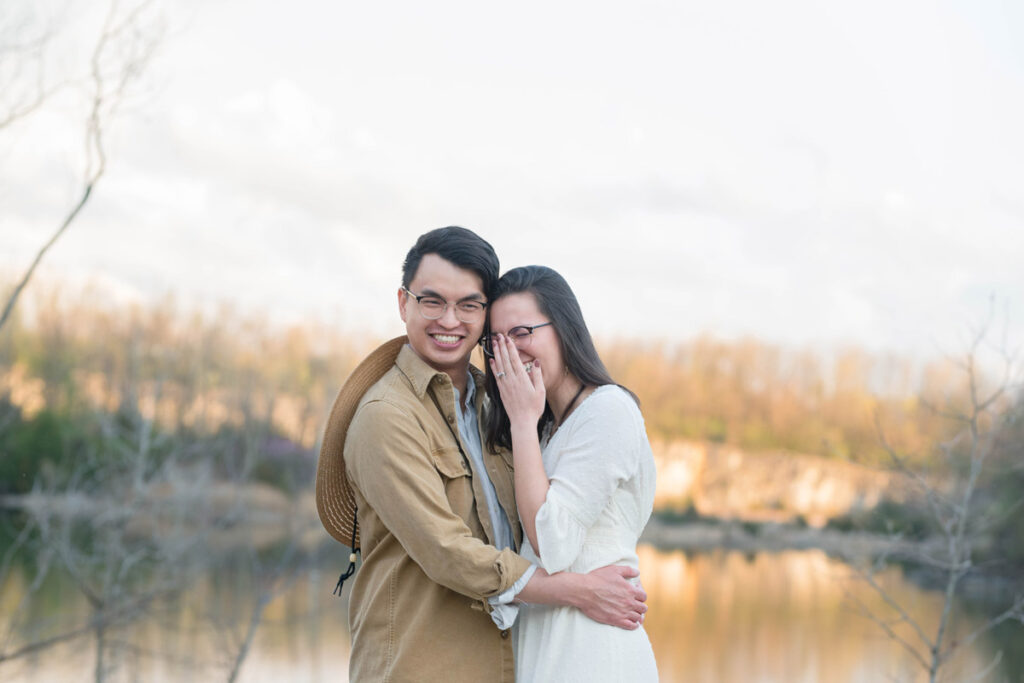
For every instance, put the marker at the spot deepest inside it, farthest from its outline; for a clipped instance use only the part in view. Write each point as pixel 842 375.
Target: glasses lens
pixel 521 334
pixel 469 311
pixel 431 308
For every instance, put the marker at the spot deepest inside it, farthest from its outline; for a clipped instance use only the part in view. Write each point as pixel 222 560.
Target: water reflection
pixel 787 616
pixel 717 616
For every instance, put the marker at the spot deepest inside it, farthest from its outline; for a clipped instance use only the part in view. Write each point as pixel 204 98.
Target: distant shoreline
pixel 851 547
pixel 771 537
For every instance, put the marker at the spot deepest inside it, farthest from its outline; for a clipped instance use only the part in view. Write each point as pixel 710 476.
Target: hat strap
pixel 351 557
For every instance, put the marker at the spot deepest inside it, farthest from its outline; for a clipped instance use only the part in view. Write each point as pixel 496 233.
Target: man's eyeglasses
pixel 433 307
pixel 520 335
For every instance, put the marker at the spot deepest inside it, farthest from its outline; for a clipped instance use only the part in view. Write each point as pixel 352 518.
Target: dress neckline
pixel 549 436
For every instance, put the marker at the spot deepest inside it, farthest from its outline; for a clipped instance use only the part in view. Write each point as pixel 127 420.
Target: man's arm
pixel 605 595
pixel 390 463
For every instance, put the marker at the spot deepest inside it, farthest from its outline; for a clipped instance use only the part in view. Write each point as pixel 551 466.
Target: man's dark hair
pixel 460 246
pixel 556 300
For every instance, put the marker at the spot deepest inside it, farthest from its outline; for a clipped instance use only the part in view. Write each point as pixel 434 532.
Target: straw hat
pixel 335 502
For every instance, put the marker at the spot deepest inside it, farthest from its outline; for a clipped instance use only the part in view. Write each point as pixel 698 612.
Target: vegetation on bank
pixel 90 385
pixel 191 372
pixel 82 382
pixel 151 409
pixel 50 450
pixel 760 396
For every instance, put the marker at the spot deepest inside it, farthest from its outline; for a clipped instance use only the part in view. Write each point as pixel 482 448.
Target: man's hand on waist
pixel 611 598
pixel 606 595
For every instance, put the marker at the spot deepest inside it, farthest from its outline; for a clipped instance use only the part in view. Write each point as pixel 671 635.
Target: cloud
pixel 799 172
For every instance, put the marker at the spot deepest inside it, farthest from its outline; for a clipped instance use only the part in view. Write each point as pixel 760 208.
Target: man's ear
pixel 402 298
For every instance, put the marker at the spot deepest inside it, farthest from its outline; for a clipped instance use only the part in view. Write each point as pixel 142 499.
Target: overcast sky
pixel 807 173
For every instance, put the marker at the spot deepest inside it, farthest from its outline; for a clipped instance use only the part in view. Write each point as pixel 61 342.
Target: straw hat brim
pixel 335 501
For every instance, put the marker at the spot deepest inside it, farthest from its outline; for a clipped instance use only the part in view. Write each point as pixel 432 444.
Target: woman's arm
pixel 523 396
pixel 599 454
pixel 558 507
pixel 531 482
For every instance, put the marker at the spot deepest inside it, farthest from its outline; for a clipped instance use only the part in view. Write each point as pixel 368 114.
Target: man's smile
pixel 444 339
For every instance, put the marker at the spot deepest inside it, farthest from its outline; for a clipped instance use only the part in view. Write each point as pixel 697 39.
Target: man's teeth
pixel 446 338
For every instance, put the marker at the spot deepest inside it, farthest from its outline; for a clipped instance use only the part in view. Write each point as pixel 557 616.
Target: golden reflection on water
pixel 787 616
pixel 718 616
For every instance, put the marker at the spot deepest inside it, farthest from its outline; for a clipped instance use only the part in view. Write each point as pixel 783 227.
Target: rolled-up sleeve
pixel 389 461
pixel 598 455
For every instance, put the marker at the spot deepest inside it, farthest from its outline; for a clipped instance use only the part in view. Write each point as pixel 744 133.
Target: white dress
pixel 602 476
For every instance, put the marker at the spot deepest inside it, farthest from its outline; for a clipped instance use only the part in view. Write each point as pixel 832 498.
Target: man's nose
pixel 448 318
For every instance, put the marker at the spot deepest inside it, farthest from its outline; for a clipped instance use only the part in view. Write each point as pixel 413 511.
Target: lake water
pixel 718 616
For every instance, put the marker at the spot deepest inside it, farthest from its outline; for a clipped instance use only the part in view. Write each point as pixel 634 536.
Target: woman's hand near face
pixel 522 391
pixel 522 394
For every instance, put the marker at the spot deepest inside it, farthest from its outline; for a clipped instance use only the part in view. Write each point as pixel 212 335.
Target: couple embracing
pixel 497 511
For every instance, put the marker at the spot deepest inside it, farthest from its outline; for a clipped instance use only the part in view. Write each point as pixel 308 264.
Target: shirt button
pixel 451 419
pixel 504 634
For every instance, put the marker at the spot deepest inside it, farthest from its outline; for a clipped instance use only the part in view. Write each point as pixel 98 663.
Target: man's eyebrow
pixel 475 296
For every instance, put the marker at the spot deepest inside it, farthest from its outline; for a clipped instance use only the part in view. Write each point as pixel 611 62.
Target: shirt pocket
pixel 458 481
pixel 449 462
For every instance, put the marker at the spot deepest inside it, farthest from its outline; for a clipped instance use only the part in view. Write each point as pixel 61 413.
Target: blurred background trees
pixel 144 444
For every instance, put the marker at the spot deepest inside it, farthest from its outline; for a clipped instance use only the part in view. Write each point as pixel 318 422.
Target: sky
pixel 810 174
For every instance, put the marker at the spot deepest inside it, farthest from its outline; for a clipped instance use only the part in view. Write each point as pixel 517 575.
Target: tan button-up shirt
pixel 419 610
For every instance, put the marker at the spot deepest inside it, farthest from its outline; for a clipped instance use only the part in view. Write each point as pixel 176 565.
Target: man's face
pixel 446 343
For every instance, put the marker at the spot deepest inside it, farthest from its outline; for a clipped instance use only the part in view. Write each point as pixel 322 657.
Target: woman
pixel 584 472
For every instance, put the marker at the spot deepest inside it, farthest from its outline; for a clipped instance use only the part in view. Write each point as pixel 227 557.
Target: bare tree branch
pixel 953 509
pixel 118 31
pixel 866 612
pixel 988 669
pixel 98 620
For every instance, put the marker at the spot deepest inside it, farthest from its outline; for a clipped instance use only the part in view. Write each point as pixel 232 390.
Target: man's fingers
pixel 627 572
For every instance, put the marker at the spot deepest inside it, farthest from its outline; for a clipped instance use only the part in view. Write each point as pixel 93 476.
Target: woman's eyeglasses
pixel 520 335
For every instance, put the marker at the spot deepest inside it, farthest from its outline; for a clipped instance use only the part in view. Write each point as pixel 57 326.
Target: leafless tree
pixel 951 498
pixel 125 44
pixel 85 528
pixel 138 520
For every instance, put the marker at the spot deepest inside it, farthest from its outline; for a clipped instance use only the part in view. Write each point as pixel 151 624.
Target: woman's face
pixel 521 310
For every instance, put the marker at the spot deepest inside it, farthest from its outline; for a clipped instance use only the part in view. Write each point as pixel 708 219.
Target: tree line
pixel 193 373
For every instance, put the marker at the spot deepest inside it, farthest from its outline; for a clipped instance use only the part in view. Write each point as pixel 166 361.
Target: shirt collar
pixel 420 374
pixel 470 390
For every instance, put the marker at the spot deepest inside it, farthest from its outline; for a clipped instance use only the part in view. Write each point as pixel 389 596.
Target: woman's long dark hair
pixel 557 302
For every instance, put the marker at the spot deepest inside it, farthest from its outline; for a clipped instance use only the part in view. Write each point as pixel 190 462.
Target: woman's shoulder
pixel 614 424
pixel 611 400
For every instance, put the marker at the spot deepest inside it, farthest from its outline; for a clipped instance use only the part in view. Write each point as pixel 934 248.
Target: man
pixel 435 514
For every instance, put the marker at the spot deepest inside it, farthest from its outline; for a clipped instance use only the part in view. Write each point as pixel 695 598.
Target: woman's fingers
pixel 536 375
pixel 497 362
pixel 511 356
pixel 502 352
pixel 507 355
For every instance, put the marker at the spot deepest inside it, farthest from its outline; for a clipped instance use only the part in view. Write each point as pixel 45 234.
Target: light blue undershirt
pixel 503 610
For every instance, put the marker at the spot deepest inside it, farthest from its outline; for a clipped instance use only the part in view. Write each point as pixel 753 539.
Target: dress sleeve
pixel 600 453
pixel 389 462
